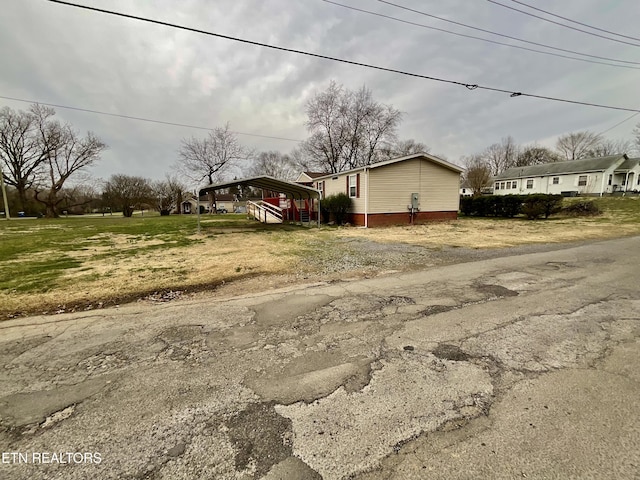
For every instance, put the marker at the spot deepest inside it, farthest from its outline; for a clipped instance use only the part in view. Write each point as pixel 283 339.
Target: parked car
pixel 221 210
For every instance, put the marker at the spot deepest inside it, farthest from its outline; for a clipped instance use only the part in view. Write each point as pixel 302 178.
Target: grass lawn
pixel 50 265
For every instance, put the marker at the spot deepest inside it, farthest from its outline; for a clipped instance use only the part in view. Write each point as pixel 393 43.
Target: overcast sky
pixel 64 55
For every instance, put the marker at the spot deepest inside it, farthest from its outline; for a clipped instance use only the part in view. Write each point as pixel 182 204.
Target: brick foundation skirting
pixel 383 219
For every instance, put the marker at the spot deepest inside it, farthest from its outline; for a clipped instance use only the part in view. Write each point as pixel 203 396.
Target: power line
pixel 563 24
pixel 142 119
pixel 619 123
pixel 491 32
pixel 575 21
pixel 469 86
pixel 489 40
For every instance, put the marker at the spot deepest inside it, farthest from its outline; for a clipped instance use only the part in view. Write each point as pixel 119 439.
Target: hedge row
pixel 533 206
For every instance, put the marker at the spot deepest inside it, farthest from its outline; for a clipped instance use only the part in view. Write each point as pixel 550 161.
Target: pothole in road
pixel 496 291
pixel 445 351
pixel 261 437
pixel 435 309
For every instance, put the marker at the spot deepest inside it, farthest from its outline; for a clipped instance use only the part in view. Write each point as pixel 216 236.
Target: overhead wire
pixel 408 22
pixel 469 86
pixel 575 21
pixel 142 119
pixel 563 24
pixel 619 123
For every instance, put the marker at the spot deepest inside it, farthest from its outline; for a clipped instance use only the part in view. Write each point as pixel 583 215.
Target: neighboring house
pixel 465 191
pixel 189 205
pixel 306 178
pixel 414 188
pixel 589 176
pixel 224 201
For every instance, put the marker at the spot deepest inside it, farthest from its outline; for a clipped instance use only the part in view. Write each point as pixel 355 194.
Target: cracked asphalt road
pixel 516 367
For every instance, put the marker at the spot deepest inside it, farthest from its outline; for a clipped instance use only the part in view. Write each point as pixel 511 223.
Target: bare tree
pixel 167 194
pixel 21 148
pixel 608 146
pixel 211 157
pixel 274 164
pixel 536 155
pixel 577 145
pixel 127 192
pixel 636 134
pixel 501 156
pixel 402 148
pixel 477 174
pixel 348 129
pixel 66 154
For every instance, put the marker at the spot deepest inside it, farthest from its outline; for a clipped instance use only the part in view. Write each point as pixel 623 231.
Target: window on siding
pixel 514 184
pixel 353 186
pixel 556 180
pixel 530 183
pixel 497 185
pixel 582 181
pixel 502 185
pixel 624 180
pixel 610 179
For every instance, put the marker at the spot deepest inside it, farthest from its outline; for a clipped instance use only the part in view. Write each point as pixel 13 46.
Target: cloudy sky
pixel 63 55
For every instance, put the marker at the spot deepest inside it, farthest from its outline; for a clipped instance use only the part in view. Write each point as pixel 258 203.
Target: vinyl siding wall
pixel 391 186
pixel 338 184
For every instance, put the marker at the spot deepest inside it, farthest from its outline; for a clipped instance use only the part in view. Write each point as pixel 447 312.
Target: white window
pixel 556 180
pixel 582 181
pixel 353 186
pixel 530 183
pixel 514 184
pixel 502 185
pixel 497 185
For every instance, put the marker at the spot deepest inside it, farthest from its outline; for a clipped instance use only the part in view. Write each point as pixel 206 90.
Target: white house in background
pixel 589 176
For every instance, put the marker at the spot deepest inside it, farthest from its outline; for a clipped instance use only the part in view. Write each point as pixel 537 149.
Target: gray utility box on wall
pixel 414 201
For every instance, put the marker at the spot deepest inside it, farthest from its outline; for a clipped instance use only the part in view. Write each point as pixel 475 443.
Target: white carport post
pixel 7 216
pixel 198 210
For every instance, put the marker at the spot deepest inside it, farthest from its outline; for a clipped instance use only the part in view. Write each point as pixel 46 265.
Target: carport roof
pixel 266 182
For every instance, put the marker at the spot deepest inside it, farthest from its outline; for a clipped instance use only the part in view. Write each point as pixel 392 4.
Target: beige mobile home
pixel 411 189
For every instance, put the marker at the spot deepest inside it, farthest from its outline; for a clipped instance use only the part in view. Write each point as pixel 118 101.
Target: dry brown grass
pixel 231 253
pixel 215 261
pixel 493 233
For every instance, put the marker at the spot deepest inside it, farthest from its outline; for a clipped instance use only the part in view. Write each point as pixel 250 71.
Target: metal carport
pixel 265 182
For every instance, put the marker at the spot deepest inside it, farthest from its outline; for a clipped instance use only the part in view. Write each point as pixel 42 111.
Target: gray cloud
pixel 63 55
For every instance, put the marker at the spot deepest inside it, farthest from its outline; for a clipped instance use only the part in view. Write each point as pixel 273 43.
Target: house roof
pixel 558 168
pixel 314 174
pixel 427 156
pixel 628 164
pixel 266 182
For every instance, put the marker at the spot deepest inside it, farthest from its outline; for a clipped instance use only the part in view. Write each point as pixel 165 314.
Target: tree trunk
pixel 50 203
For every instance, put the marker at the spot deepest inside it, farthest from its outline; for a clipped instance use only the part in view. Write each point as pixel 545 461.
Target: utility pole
pixel 7 216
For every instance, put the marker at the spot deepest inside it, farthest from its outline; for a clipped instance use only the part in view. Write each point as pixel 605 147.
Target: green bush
pixel 582 208
pixel 533 206
pixel 467 206
pixel 338 205
pixel 491 205
pixel 541 205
